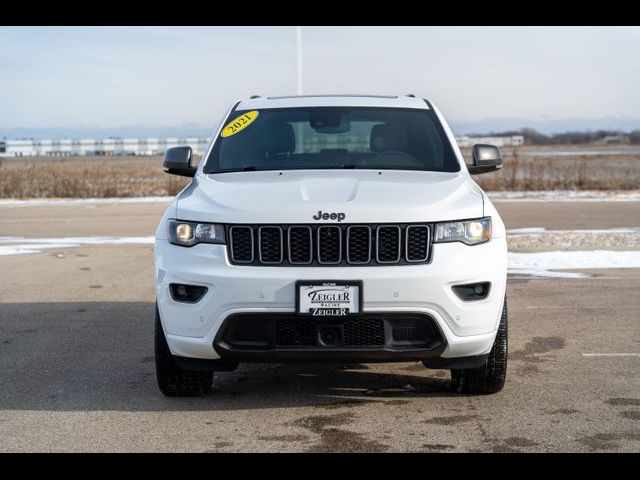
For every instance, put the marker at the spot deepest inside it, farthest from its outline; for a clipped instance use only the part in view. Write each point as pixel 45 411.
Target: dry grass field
pixel 86 177
pixel 101 177
pixel 567 172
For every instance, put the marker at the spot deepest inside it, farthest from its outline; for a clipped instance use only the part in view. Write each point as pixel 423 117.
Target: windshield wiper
pixel 243 169
pixel 350 166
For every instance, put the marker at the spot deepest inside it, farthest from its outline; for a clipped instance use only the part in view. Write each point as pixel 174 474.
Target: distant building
pixel 90 146
pixel 618 139
pixel 506 141
pixel 157 146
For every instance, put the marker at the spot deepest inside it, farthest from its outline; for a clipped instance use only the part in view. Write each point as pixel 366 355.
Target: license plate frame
pixel 329 311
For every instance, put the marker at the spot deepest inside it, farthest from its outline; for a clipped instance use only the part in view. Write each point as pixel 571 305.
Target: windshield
pixel 332 137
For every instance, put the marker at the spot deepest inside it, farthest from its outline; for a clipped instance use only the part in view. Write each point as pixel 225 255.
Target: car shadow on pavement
pixel 72 356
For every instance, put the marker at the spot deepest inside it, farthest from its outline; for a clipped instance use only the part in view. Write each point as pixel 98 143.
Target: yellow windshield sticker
pixel 239 123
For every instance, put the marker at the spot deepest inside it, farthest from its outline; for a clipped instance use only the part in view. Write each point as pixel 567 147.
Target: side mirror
pixel 177 161
pixel 486 158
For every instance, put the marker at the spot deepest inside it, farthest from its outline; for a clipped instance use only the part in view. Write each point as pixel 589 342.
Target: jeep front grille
pixel 417 243
pixel 302 332
pixel 329 244
pixel 270 244
pixel 388 244
pixel 241 244
pixel 300 245
pixel 292 332
pixel 358 244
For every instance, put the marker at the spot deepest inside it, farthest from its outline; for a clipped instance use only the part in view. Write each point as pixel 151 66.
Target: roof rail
pixel 410 95
pixel 334 95
pixel 255 96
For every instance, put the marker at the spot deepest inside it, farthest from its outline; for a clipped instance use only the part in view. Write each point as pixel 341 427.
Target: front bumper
pixel 292 337
pixel 468 328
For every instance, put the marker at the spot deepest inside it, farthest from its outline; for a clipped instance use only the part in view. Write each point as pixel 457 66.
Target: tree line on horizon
pixel 533 137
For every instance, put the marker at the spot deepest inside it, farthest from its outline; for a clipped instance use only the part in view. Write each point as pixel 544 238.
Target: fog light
pixel 472 291
pixel 181 291
pixel 186 293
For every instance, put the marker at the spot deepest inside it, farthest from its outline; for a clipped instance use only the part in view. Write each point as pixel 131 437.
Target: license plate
pixel 329 298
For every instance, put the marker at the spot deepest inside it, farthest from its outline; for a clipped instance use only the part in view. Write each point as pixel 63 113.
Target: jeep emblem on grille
pixel 329 216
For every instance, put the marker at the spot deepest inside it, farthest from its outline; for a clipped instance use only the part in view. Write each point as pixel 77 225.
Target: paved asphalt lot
pixel 77 372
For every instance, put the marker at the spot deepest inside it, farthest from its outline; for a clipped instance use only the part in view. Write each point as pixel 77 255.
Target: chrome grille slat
pixel 330 244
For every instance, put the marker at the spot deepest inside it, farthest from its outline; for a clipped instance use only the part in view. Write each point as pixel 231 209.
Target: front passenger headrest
pixel 385 138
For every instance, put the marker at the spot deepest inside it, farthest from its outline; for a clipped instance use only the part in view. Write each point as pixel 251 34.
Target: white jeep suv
pixel 331 228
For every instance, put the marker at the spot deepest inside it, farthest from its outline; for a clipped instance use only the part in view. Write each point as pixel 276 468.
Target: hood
pixel 363 196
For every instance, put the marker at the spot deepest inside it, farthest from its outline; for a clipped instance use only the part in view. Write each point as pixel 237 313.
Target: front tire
pixel 490 377
pixel 174 381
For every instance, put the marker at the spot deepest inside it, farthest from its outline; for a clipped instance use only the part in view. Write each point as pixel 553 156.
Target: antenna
pixel 299 60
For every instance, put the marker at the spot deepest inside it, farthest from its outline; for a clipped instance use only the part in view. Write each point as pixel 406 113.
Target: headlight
pixel 470 232
pixel 191 233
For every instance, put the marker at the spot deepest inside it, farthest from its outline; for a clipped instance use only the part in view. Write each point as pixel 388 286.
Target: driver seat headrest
pixel 276 139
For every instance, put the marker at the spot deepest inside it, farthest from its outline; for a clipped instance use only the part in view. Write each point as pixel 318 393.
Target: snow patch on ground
pixel 541 231
pixel 31 248
pixel 525 272
pixel 567 196
pixel 19 245
pixel 541 264
pixel 74 202
pixel 80 240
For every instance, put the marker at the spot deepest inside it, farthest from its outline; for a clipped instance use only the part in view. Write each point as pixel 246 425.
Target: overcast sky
pixel 169 76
